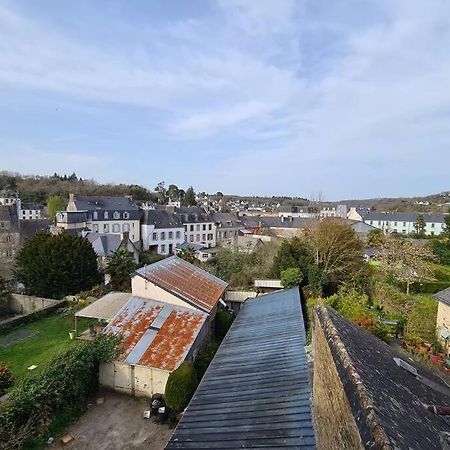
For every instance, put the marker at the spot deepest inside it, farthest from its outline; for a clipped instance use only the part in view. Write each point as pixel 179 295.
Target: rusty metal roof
pixel 186 281
pixel 155 334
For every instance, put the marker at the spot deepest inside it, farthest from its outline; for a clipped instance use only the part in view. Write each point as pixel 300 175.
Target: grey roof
pixel 161 219
pixel 226 220
pixel 104 244
pixel 385 398
pixel 191 245
pixel 31 206
pixel 256 390
pixel 105 203
pixel 28 228
pixel 6 213
pixel 72 216
pixel 274 222
pixel 443 296
pixel 404 217
pixel 192 214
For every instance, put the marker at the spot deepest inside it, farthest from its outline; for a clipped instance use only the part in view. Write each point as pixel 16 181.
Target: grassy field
pixel 51 339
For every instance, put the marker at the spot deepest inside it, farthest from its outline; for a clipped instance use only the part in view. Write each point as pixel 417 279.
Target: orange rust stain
pixel 188 282
pixel 133 329
pixel 173 339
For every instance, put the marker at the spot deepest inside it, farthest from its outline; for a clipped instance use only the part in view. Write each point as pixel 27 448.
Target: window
pixel 163 235
pixel 432 225
pixel 191 238
pixel 192 228
pixel 95 227
pixel 210 237
pixel 105 214
pixel 126 215
pixel 395 224
pixel 197 237
pixel 371 222
pixel 95 215
pixel 198 227
pixel 105 228
pixel 204 227
pixel 116 215
pixel 404 224
pixel 203 237
pixel 177 234
pixel 210 227
pixel 163 248
pixel 225 234
pixel 116 228
pixel 432 233
pixel 404 231
pixel 155 236
pixel 170 234
pixel 379 223
pixel 125 227
pixel 185 228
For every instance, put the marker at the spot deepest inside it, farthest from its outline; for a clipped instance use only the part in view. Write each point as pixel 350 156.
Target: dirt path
pixel 117 424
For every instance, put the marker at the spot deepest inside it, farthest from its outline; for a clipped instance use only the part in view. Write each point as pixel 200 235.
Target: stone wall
pixel 334 422
pixel 26 304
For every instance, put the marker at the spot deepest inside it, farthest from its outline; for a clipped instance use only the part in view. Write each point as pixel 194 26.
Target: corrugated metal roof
pixel 255 393
pixel 155 334
pixel 239 296
pixel 269 283
pixel 186 281
pixel 105 307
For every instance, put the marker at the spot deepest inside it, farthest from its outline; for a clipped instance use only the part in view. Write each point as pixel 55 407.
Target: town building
pixel 199 227
pixel 366 394
pixel 175 281
pixel 227 227
pixel 157 337
pixel 30 211
pixel 256 391
pixel 107 215
pixel 405 223
pixel 161 231
pixel 8 197
pixel 357 213
pixel 9 238
pixel 443 319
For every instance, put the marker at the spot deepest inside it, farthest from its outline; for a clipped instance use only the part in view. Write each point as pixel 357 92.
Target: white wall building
pixel 199 227
pixel 161 231
pixel 29 211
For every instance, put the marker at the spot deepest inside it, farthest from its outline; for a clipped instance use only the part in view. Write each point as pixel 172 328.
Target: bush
pixel 223 323
pixel 291 277
pixel 65 383
pixel 205 357
pixel 180 387
pixel 6 378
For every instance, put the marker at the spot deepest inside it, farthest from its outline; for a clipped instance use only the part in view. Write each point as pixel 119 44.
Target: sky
pixel 257 97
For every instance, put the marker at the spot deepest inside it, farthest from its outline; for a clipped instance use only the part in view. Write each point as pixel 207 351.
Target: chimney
pixel 71 197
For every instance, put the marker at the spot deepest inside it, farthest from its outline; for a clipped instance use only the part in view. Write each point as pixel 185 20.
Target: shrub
pixel 205 357
pixel 6 378
pixel 291 277
pixel 180 387
pixel 223 323
pixel 65 383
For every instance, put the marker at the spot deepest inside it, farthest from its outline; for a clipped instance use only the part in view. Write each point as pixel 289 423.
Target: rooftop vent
pixel 408 367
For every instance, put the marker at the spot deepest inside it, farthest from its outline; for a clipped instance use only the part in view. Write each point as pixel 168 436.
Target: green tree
pixel 173 191
pixel 189 197
pixel 293 252
pixel 446 231
pixel 54 204
pixel 291 277
pixel 419 225
pixel 180 387
pixel 120 267
pixel 375 238
pixel 441 249
pixel 162 192
pixel 55 266
pixel 188 254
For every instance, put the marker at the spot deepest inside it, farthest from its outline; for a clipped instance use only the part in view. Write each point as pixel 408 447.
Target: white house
pixel 108 215
pixel 199 227
pixel 161 231
pixel 29 211
pixel 404 223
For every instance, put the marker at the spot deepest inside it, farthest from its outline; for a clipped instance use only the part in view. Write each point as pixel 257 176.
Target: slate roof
pixel 95 203
pixel 31 206
pixel 192 214
pixel 72 217
pixel 28 228
pixel 403 217
pixel 161 219
pixel 155 334
pixel 443 296
pixel 256 392
pixel 5 213
pixel 186 281
pixel 386 400
pixel 104 244
pixel 274 222
pixel 226 220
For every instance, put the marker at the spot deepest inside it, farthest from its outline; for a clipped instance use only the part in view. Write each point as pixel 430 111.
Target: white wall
pixel 405 227
pixel 98 226
pixel 147 232
pixel 199 235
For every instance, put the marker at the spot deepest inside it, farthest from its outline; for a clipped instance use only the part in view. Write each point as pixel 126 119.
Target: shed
pixel 156 338
pixel 256 391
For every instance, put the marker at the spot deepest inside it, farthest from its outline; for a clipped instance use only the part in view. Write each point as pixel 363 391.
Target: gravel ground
pixel 115 425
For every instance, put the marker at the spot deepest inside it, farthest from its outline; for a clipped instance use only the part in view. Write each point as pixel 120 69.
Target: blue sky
pixel 351 99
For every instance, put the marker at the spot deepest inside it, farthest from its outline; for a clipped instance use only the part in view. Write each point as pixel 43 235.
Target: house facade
pixel 199 227
pixel 161 231
pixel 108 215
pixel 443 319
pixel 29 211
pixel 405 223
pixel 227 228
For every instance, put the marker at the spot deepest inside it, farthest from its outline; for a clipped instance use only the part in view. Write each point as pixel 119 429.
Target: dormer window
pixel 126 215
pixel 95 215
pixel 116 215
pixel 105 215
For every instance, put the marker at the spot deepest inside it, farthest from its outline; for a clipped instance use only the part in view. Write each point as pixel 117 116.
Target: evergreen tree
pixel 55 266
pixel 189 197
pixel 419 225
pixel 120 267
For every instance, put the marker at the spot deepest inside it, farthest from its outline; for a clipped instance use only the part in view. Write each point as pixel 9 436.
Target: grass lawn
pixel 52 338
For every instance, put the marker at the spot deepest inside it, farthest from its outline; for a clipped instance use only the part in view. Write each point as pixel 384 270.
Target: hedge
pixel 65 383
pixel 180 387
pixel 223 323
